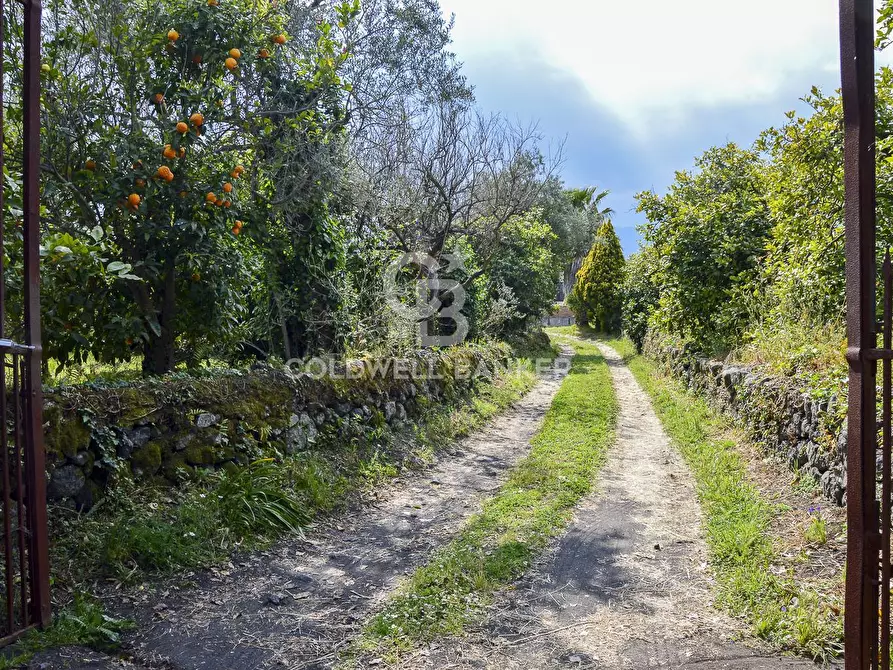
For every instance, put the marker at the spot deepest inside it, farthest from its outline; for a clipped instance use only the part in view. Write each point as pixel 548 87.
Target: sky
pixel 638 88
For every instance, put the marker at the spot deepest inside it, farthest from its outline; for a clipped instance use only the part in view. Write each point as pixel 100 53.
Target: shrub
pixel 640 295
pixel 597 295
pixel 710 232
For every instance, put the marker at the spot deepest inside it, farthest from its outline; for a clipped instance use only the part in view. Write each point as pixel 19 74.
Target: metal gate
pixel 867 625
pixel 24 584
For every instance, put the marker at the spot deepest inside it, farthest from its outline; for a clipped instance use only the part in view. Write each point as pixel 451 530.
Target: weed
pixel 83 622
pixel 255 501
pixel 816 531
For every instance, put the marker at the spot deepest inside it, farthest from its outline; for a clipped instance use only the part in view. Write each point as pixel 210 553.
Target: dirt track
pixel 298 605
pixel 627 586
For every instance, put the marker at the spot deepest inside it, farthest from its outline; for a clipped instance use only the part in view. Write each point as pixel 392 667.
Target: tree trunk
pixel 159 352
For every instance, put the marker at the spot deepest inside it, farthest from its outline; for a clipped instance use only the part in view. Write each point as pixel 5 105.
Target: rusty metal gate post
pixel 24 563
pixel 863 537
pixel 35 466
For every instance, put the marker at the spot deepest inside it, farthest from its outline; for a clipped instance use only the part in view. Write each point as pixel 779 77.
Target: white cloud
pixel 650 60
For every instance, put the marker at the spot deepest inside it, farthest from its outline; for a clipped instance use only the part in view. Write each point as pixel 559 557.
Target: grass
pixel 83 622
pixel 137 532
pixel 743 552
pixel 495 546
pixel 816 531
pixel 797 348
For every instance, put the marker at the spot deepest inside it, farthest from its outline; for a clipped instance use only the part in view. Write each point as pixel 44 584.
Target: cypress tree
pixel 597 296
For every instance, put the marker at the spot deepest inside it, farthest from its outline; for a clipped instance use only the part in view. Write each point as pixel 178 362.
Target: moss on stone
pixel 147 459
pixel 199 453
pixel 66 435
pixel 136 404
pixel 176 468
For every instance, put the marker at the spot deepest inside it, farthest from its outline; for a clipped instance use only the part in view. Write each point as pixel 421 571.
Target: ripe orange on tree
pixel 134 200
pixel 227 187
pixel 169 152
pixel 90 164
pixel 140 183
pixel 173 35
pixel 197 119
pixel 231 63
pixel 235 53
pixel 218 202
pixel 279 39
pixel 211 197
pixel 213 3
pixel 263 53
pixel 182 127
pixel 182 152
pixel 158 98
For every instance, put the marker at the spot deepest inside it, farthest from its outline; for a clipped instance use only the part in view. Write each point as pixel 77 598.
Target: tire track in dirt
pixel 627 586
pixel 299 604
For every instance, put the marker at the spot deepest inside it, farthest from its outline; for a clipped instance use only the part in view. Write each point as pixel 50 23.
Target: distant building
pixel 563 316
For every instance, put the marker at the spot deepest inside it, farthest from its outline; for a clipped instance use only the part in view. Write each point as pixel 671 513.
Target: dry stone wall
pixel 160 431
pixel 784 420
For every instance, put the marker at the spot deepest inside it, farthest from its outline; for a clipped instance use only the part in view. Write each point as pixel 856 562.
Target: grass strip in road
pixel 738 523
pixel 534 505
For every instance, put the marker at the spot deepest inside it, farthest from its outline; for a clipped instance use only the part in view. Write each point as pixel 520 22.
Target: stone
pixel 140 436
pixel 134 439
pixel 832 486
pixel 401 412
pixel 184 441
pixel 200 454
pixel 86 497
pixel 390 409
pixel 66 482
pixel 81 458
pixel 278 599
pixel 206 420
pixel 842 438
pixel 796 458
pixel 146 462
pixel 302 432
pixel 812 450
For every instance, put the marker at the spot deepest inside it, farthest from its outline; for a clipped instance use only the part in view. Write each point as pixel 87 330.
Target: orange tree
pixel 177 136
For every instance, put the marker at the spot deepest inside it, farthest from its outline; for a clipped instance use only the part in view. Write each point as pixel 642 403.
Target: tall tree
pixel 711 229
pixel 597 295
